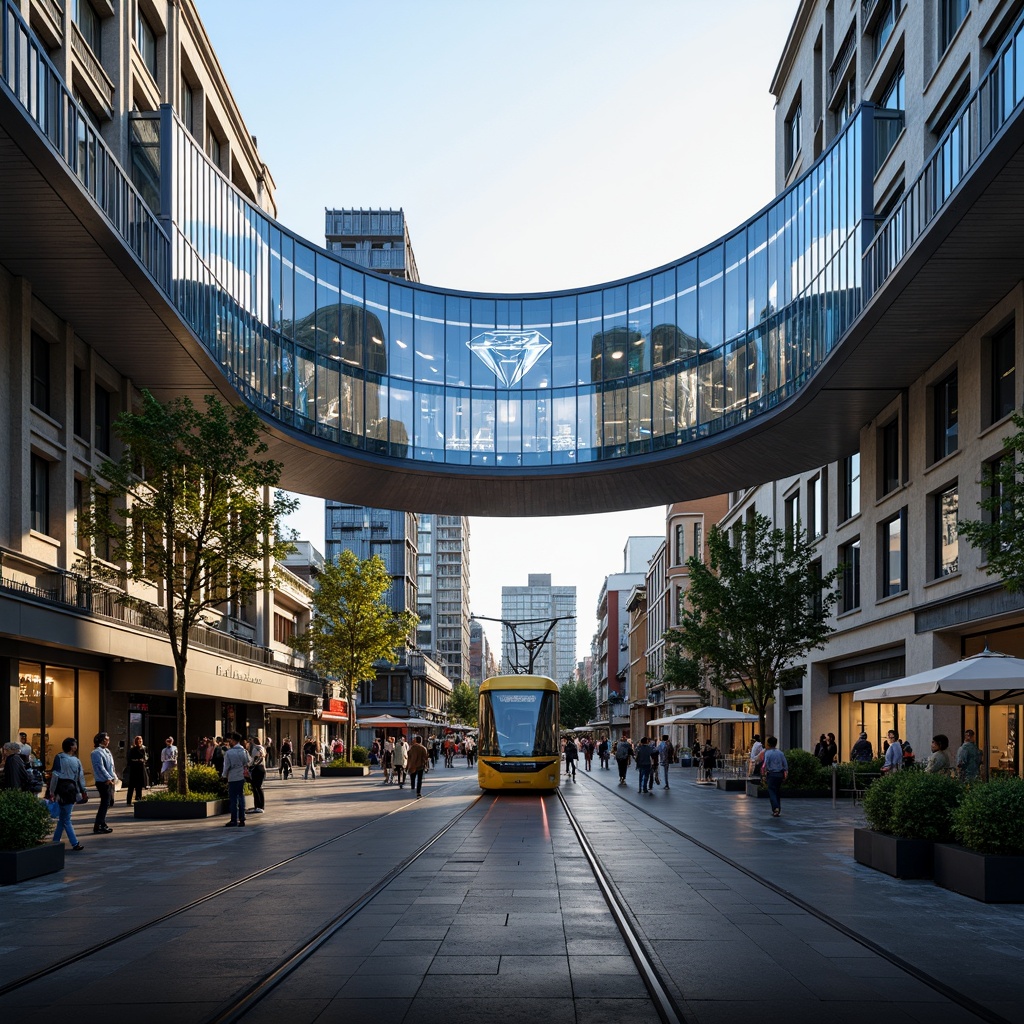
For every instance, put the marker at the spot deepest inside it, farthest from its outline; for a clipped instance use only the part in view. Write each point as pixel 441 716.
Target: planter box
pixel 731 785
pixel 754 789
pixel 901 858
pixel 174 810
pixel 988 877
pixel 343 773
pixel 21 865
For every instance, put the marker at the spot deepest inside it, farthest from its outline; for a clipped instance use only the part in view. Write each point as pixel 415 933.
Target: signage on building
pixel 231 672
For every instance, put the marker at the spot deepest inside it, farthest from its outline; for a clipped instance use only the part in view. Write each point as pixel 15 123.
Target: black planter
pixel 21 865
pixel 755 789
pixel 731 785
pixel 344 773
pixel 987 877
pixel 901 858
pixel 178 810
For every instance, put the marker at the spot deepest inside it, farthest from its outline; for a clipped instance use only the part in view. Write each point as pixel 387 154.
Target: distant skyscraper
pixel 443 598
pixel 376 239
pixel 540 600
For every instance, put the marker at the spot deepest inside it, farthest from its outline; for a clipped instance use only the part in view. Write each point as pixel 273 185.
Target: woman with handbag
pixel 67 787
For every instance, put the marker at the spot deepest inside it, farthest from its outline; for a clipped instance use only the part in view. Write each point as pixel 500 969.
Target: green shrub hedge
pixel 360 755
pixel 24 820
pixel 913 805
pixel 990 816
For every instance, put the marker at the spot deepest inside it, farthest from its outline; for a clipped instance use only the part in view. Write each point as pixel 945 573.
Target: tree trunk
pixel 179 672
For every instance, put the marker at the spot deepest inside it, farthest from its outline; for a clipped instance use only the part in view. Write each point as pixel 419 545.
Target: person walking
pixel 236 761
pixel 968 758
pixel 776 771
pixel 257 775
pixel 168 759
pixel 862 750
pixel 136 770
pixel 432 748
pixel 644 764
pixel 470 751
pixel 666 755
pixel 67 787
pixel 401 756
pixel 387 759
pixel 104 777
pixel 755 757
pixel 416 763
pixel 572 757
pixel 604 752
pixel 623 755
pixel 309 758
pixel 285 767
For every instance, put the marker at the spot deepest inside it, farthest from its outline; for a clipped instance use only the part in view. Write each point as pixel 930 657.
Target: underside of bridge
pixel 970 256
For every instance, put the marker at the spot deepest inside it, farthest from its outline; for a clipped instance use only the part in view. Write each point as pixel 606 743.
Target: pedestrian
pixel 604 752
pixel 67 787
pixel 271 752
pixel 217 757
pixel 623 755
pixel 26 748
pixel 755 758
pixel 644 764
pixel 862 750
pixel 708 758
pixel 401 756
pixel 893 754
pixel 236 763
pixel 776 771
pixel 168 759
pixel 655 765
pixel 831 750
pixel 309 758
pixel 136 770
pixel 666 755
pixel 387 759
pixel 432 749
pixel 470 751
pixel 257 774
pixel 938 760
pixel 15 772
pixel 572 756
pixel 416 762
pixel 968 758
pixel 285 768
pixel 104 777
pixel 821 750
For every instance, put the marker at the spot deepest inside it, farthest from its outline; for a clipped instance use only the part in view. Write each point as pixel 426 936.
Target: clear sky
pixel 534 145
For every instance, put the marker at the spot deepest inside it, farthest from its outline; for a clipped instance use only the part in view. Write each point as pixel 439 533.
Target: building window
pixel 101 540
pixel 794 131
pixel 680 544
pixel 284 628
pixel 78 402
pixel 889 441
pixel 849 557
pixel 894 555
pixel 946 507
pixel 1003 355
pixel 793 522
pixel 992 473
pixel 40 498
pixel 846 102
pixel 188 107
pixel 79 498
pixel 145 40
pixel 951 17
pixel 698 541
pixel 851 486
pixel 101 419
pixel 40 373
pixel 88 22
pixel 816 516
pixel 894 97
pixel 946 417
pixel 816 596
pixel 213 148
pixel 884 25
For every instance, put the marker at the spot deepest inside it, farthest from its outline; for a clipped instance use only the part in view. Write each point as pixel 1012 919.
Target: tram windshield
pixel 518 723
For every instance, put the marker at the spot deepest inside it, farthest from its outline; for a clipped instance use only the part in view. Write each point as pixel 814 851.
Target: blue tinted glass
pixel 400 353
pixel 305 289
pixel 736 285
pixel 429 337
pixel 710 301
pixel 686 301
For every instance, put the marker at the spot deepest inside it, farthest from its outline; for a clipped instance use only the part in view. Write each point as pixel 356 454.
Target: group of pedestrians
pixel 404 762
pixel 652 760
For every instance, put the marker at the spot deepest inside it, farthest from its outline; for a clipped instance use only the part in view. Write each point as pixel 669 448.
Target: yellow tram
pixel 518 743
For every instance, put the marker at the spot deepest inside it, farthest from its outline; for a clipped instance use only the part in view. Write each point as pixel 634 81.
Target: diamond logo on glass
pixel 510 355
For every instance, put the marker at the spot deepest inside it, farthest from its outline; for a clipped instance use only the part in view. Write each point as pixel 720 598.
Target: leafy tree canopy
pixel 757 608
pixel 352 626
pixel 187 507
pixel 577 704
pixel 464 704
pixel 999 534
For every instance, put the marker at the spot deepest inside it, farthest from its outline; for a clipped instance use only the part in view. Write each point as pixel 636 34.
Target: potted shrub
pixel 988 865
pixel 207 796
pixel 340 768
pixel 908 812
pixel 25 824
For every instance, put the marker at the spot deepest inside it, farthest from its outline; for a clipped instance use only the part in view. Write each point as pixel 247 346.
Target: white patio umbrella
pixel 712 716
pixel 670 720
pixel 381 721
pixel 982 680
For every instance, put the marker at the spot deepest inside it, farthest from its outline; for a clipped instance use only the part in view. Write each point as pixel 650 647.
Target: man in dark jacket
pixel 645 764
pixel 572 756
pixel 862 749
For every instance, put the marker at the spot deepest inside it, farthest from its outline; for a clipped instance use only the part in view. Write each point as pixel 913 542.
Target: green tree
pixel 352 626
pixel 188 509
pixel 999 534
pixel 577 704
pixel 757 607
pixel 464 704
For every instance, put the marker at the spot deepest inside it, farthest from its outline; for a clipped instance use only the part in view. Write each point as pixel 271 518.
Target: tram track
pixel 109 942
pixel 925 978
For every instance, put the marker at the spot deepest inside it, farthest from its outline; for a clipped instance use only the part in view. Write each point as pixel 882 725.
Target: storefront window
pixel 68 705
pixel 876 720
